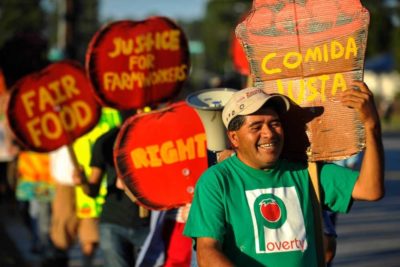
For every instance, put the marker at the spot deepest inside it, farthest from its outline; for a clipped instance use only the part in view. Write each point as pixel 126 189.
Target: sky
pixel 141 9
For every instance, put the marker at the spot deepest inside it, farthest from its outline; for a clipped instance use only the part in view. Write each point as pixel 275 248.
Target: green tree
pixel 20 16
pixel 218 27
pixel 79 20
pixel 378 39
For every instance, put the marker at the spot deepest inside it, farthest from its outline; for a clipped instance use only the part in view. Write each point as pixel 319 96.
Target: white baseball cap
pixel 249 100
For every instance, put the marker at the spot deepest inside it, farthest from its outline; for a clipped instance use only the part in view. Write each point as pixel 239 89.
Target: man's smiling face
pixel 259 141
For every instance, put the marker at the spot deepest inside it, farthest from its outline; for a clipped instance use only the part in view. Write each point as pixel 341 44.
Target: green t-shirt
pixel 265 217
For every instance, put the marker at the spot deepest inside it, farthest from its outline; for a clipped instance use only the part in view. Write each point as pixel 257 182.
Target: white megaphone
pixel 208 104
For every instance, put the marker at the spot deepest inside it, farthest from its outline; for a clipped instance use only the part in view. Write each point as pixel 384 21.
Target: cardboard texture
pixel 310 51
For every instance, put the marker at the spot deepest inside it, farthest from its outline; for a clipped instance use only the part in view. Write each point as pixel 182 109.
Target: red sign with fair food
pixel 160 156
pixel 137 63
pixel 53 107
pixel 310 51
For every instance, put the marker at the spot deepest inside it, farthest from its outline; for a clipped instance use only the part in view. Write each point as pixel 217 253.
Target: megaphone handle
pixel 212 157
pixel 74 161
pixel 217 156
pixel 72 155
pixel 249 81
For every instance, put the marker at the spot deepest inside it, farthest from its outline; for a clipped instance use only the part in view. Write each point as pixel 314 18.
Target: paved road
pixel 15 242
pixel 369 235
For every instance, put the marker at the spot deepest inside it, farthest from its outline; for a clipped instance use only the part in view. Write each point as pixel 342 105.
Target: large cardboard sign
pixel 161 155
pixel 53 107
pixel 137 63
pixel 310 51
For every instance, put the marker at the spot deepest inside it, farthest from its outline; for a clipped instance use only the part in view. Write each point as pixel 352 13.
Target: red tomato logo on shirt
pixel 270 210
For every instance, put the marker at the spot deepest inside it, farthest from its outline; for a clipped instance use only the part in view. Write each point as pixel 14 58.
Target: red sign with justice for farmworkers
pixel 137 63
pixel 53 107
pixel 160 156
pixel 310 51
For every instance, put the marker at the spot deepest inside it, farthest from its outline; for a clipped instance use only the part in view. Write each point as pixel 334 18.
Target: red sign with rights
pixel 160 156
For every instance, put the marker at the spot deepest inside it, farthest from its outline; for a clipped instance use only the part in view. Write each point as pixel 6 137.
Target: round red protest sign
pixel 161 155
pixel 137 63
pixel 53 107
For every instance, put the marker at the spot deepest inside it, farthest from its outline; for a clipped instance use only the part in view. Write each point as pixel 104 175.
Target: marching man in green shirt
pixel 254 209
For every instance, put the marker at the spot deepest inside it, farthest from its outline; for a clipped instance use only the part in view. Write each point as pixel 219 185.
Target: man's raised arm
pixel 370 184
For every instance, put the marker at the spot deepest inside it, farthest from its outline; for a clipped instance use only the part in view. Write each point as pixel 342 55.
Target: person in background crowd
pixel 21 54
pixel 24 53
pixel 7 156
pixel 122 229
pixel 178 248
pixel 166 245
pixel 66 227
pixel 35 191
